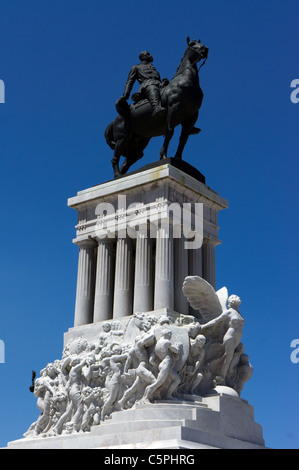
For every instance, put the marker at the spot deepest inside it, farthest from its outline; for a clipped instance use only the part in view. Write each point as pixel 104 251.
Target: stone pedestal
pixel 139 236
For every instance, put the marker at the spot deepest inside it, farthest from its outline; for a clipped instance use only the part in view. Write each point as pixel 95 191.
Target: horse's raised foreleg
pixel 187 127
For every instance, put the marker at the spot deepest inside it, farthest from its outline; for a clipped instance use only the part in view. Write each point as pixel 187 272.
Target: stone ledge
pixel 148 176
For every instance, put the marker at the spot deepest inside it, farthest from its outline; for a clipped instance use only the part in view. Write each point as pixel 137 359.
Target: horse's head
pixel 197 51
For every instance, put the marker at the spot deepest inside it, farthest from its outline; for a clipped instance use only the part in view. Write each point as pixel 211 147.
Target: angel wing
pixel 202 297
pixel 222 295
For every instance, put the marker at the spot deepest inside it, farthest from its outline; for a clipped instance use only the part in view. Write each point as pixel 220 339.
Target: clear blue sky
pixel 64 64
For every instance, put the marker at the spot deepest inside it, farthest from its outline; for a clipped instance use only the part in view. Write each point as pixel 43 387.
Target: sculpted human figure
pixel 149 79
pixel 107 337
pixel 191 371
pixel 115 363
pixel 164 320
pixel 138 362
pixel 44 390
pixel 165 354
pixel 232 322
pixel 92 399
pixel 77 347
pixel 93 374
pixel 103 337
pixel 193 330
pixel 162 325
pixel 89 369
pixel 74 408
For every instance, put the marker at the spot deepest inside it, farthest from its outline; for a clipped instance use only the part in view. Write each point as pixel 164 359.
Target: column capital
pixel 99 240
pixel 211 242
pixel 85 242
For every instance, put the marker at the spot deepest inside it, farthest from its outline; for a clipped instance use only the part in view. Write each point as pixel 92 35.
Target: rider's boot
pixel 153 95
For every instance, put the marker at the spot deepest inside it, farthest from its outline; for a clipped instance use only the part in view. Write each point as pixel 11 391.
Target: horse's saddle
pixel 138 100
pixel 139 97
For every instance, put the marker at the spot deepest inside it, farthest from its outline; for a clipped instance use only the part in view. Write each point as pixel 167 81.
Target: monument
pixel 154 359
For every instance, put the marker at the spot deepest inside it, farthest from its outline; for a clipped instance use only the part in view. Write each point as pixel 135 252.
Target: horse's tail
pixel 109 136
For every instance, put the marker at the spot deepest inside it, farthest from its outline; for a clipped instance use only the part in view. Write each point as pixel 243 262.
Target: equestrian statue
pixel 158 107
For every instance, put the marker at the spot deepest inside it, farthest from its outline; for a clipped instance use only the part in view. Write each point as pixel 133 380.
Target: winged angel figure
pixel 220 319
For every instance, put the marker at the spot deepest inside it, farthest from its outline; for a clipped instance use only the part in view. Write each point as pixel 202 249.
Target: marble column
pixel 195 262
pixel 164 282
pixel 208 261
pixel 180 272
pixel 123 288
pixel 103 303
pixel 143 286
pixel 195 269
pixel 85 282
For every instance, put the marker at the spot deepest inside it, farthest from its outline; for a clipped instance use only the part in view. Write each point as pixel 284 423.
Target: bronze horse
pixel 131 131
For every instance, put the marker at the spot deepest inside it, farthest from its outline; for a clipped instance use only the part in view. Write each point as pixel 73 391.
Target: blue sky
pixel 64 64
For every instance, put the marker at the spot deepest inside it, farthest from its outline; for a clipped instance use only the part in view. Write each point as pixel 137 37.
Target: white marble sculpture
pixel 144 359
pixel 225 323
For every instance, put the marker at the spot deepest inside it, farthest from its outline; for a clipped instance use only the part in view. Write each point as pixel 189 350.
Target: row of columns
pixel 111 284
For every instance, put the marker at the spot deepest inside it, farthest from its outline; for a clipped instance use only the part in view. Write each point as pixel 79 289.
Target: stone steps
pixel 151 413
pixel 215 422
pixel 133 425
